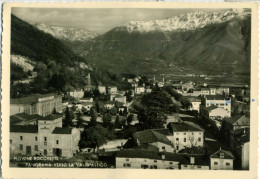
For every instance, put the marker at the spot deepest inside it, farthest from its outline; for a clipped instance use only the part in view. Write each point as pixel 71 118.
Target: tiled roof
pixel 215 97
pixel 227 154
pixel 163 131
pixel 135 153
pixel 150 136
pixel 30 99
pixel 238 120
pixel 51 117
pixel 23 117
pixel 182 127
pixel 24 129
pixel 62 130
pixel 210 108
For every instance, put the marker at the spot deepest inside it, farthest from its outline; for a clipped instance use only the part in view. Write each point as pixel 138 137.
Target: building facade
pixel 221 160
pixel 48 138
pixel 36 104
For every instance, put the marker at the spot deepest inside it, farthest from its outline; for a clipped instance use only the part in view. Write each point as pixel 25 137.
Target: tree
pixel 94 137
pixel 107 120
pixel 54 111
pixel 128 95
pixel 113 111
pixel 129 119
pixel 68 118
pixel 125 111
pixel 117 122
pixel 93 117
pixel 79 120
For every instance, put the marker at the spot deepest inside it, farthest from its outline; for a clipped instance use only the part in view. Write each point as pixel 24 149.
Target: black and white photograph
pixel 131 88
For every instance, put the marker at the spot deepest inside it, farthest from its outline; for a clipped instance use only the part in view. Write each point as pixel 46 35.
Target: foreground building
pixel 48 138
pixel 42 105
pixel 134 158
pixel 185 135
pixel 221 160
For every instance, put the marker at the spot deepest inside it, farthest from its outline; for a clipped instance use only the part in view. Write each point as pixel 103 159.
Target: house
pixel 120 98
pixel 109 104
pixel 194 162
pixel 24 119
pixel 195 102
pixel 87 105
pixel 141 158
pixel 222 90
pixel 139 90
pixel 240 144
pixel 77 94
pixel 185 135
pixel 151 137
pixel 205 91
pixel 214 112
pixel 102 89
pixel 236 122
pixel 221 160
pixel 36 104
pixel 217 100
pixel 112 90
pixel 47 138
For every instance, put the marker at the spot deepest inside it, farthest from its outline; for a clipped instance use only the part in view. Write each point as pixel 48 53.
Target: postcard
pixel 129 89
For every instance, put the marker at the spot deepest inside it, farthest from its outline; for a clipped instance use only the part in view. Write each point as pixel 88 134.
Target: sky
pixel 95 20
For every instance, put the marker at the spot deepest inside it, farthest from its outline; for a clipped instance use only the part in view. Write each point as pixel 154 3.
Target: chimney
pixel 192 160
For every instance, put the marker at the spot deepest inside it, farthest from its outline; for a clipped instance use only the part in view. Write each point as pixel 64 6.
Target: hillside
pixel 222 46
pixel 67 34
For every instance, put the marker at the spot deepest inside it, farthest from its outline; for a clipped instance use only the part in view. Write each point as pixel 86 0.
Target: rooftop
pixel 30 99
pixel 23 117
pixel 135 153
pixel 210 108
pixel 62 130
pixel 182 127
pixel 150 136
pixel 215 97
pixel 51 117
pixel 238 120
pixel 227 154
pixel 24 129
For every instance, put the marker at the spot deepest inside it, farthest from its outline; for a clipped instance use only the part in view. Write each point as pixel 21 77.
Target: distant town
pixel 154 124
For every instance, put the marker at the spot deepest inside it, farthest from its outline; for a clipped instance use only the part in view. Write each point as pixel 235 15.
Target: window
pixel 177 139
pixel 10 141
pixel 227 164
pixel 36 138
pixel 144 166
pixel 45 139
pixel 145 160
pixel 21 137
pixel 57 141
pixel 170 162
pixel 155 166
pixel 155 161
pixel 36 147
pixel 127 165
pixel 221 155
pixel 200 133
pixel 184 139
pixel 215 163
pixel 45 152
pixel 199 139
pixel 184 133
pixel 163 148
pixel 21 146
pixel 127 159
pixel 192 133
pixel 185 165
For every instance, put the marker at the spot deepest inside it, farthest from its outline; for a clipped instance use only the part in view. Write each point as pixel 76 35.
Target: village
pixel 155 124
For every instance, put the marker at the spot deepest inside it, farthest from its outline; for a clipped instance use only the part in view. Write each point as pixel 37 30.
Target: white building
pixel 77 94
pixel 139 90
pixel 185 135
pixel 195 102
pixel 221 160
pixel 112 90
pixel 102 89
pixel 48 138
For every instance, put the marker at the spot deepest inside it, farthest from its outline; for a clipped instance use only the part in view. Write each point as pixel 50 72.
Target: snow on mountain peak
pixel 188 21
pixel 63 33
